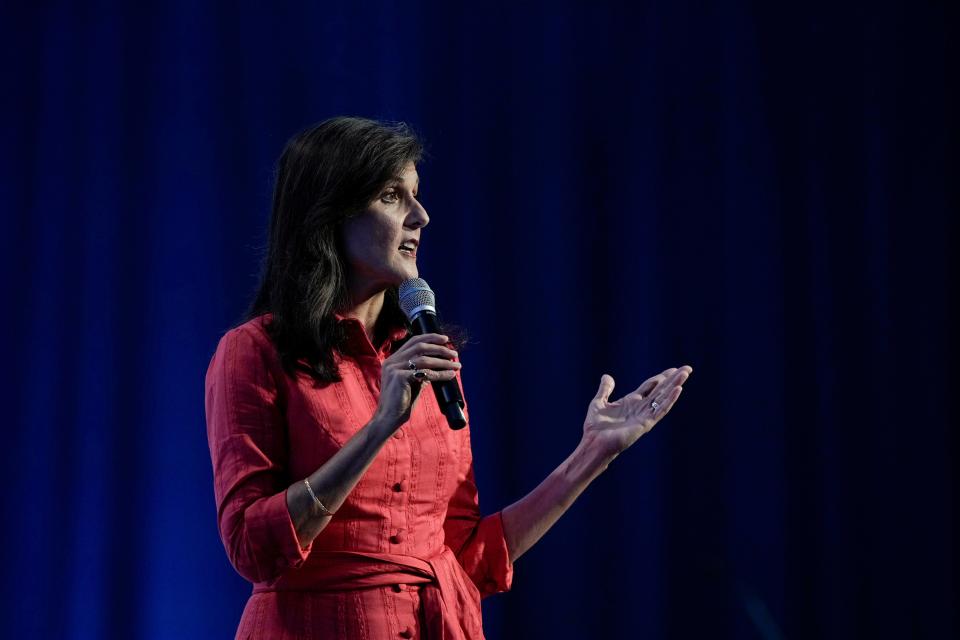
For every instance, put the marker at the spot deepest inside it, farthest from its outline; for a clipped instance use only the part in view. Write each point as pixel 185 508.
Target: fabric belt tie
pixel 451 602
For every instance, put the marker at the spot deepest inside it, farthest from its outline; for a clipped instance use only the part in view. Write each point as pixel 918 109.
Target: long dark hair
pixel 327 173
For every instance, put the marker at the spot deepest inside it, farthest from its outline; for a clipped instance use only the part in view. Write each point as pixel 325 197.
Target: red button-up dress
pixel 408 554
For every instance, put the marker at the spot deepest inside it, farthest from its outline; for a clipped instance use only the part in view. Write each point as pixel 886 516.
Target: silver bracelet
pixel 323 509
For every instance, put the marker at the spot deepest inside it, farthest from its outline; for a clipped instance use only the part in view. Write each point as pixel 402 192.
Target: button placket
pixel 398 499
pixel 378 372
pixel 372 373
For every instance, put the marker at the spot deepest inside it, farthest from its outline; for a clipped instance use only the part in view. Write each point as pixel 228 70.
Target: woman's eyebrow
pixel 397 182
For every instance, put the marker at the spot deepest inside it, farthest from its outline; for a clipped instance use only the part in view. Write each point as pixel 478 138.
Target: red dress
pixel 406 556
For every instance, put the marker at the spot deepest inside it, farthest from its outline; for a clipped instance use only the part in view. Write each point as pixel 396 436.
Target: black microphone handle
pixel 448 392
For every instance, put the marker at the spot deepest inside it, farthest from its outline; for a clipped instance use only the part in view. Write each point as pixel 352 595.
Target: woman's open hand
pixel 400 384
pixel 614 426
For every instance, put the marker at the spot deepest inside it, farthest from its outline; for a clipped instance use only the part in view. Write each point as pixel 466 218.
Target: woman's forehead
pixel 408 175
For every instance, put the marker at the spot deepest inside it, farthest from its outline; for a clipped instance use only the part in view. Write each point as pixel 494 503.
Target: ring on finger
pixel 411 366
pixel 654 405
pixel 419 374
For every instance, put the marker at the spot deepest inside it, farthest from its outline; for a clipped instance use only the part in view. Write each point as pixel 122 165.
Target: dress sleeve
pixel 477 541
pixel 247 435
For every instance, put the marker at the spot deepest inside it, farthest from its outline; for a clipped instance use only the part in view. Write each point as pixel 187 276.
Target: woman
pixel 342 494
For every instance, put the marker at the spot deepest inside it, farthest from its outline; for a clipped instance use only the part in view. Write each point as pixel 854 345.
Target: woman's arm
pixel 335 479
pixel 526 520
pixel 609 429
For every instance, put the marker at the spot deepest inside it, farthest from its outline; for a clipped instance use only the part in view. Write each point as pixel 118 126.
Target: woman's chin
pixel 406 274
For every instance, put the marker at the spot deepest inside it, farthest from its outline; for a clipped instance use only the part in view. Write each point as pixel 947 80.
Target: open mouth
pixel 408 250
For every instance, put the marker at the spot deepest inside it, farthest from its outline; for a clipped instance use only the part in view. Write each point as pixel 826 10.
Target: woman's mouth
pixel 408 250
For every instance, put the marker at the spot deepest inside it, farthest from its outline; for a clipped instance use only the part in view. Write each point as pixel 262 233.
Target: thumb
pixel 606 388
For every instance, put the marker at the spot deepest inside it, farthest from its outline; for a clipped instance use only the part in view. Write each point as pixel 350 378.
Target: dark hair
pixel 326 174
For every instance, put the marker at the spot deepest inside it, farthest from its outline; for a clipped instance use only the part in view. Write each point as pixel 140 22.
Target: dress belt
pixel 451 601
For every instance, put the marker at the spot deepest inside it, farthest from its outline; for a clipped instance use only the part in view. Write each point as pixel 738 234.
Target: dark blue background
pixel 762 190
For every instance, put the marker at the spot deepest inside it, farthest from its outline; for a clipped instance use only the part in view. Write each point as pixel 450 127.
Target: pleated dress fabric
pixel 408 555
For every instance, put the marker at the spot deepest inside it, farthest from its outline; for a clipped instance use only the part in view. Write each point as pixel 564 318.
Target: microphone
pixel 419 304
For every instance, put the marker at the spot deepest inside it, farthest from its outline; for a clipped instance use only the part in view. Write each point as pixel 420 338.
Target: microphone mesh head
pixel 416 296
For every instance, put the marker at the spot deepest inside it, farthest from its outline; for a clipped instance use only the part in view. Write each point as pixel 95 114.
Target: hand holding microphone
pixel 419 304
pixel 423 358
pixel 400 383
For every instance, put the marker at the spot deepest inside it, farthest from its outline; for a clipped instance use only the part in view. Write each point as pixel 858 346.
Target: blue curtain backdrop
pixel 762 190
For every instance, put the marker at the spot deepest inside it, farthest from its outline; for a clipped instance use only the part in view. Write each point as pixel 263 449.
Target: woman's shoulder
pixel 249 339
pixel 245 367
pixel 255 328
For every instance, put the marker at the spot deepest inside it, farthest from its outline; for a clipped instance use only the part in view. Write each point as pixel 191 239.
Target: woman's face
pixel 372 240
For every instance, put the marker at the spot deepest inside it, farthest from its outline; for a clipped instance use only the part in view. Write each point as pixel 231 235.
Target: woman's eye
pixel 389 196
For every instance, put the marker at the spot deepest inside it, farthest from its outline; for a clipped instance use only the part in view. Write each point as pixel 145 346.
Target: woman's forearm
pixel 334 480
pixel 526 520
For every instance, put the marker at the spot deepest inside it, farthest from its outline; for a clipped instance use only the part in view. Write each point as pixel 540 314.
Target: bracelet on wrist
pixel 320 505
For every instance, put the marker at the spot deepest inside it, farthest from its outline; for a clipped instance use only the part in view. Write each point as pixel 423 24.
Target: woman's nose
pixel 418 216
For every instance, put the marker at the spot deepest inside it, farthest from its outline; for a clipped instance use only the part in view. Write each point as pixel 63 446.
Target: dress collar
pixel 359 344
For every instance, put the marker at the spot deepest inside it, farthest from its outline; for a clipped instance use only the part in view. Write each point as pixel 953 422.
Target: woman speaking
pixel 342 494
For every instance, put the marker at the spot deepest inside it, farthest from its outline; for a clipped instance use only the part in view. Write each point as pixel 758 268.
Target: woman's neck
pixel 368 312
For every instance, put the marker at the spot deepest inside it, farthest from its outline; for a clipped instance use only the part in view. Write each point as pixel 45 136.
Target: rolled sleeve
pixel 478 542
pixel 246 432
pixel 485 557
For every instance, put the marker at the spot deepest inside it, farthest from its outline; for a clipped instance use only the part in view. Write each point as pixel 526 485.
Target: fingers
pixel 434 338
pixel 431 344
pixel 651 383
pixel 652 406
pixel 427 362
pixel 432 375
pixel 657 384
pixel 432 359
pixel 648 386
pixel 606 388
pixel 666 403
pixel 667 391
